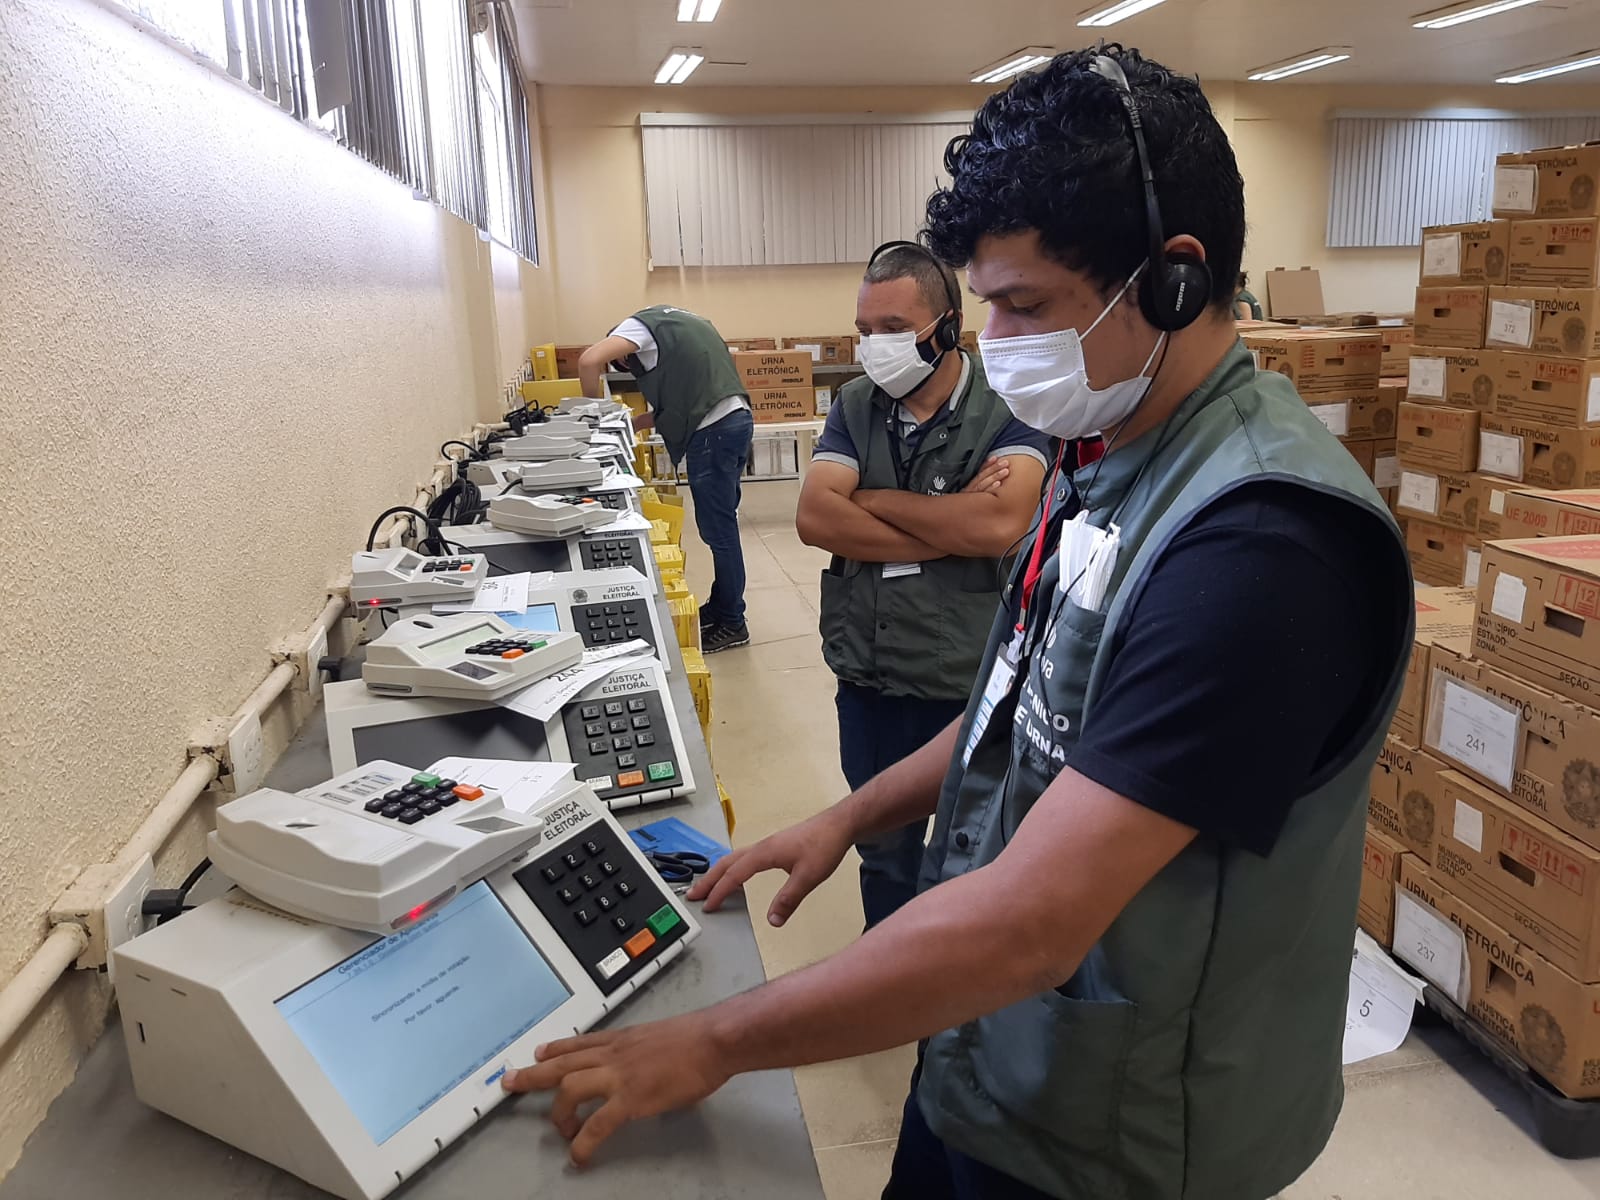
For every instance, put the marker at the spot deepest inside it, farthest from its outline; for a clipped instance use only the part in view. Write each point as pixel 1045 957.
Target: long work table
pixel 749 1139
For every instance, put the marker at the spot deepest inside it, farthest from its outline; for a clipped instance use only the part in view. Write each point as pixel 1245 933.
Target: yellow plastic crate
pixel 686 621
pixel 548 393
pixel 727 805
pixel 698 676
pixel 543 361
pixel 668 513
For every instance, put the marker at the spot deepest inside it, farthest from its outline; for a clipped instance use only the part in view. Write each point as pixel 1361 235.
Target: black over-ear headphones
pixel 947 334
pixel 1176 287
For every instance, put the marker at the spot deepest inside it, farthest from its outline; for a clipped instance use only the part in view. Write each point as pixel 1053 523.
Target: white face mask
pixel 1045 384
pixel 894 361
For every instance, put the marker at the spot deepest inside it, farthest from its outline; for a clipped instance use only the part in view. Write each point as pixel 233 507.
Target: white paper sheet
pixel 621 481
pixel 628 522
pixel 1479 732
pixel 522 785
pixel 631 648
pixel 1382 1000
pixel 1428 942
pixel 544 699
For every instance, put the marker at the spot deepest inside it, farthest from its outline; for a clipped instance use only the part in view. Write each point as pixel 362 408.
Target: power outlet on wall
pixel 108 902
pixel 246 756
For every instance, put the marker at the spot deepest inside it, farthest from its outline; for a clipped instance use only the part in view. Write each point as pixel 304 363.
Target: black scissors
pixel 678 866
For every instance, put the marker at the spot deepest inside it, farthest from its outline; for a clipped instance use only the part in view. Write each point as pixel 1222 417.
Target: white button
pixel 612 963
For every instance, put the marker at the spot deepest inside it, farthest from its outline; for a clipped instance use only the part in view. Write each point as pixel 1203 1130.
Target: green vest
pixel 693 373
pixel 915 635
pixel 1196 1053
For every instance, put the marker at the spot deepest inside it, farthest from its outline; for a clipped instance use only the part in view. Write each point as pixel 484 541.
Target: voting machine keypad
pixel 622 745
pixel 422 796
pixel 435 565
pixel 507 647
pixel 613 914
pixel 619 621
pixel 609 553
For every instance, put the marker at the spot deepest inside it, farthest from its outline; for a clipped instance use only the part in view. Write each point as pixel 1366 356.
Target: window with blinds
pixel 741 192
pixel 1391 175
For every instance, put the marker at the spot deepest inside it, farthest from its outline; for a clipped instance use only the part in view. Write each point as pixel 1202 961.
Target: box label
pixel 1511 323
pixel 1594 399
pixel 1441 255
pixel 1497 502
pixel 1432 945
pixel 1577 595
pixel 1500 454
pixel 1469 826
pixel 1474 571
pixel 1516 188
pixel 1479 732
pixel 1386 471
pixel 1335 416
pixel 1510 598
pixel 1544 857
pixel 1427 378
pixel 1419 492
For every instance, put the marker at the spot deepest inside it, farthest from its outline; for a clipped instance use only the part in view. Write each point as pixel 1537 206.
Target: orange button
pixel 639 943
pixel 630 779
pixel 513 654
pixel 466 566
pixel 467 791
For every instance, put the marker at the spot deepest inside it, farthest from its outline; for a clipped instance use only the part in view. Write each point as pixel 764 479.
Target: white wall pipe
pixel 26 990
pixel 171 809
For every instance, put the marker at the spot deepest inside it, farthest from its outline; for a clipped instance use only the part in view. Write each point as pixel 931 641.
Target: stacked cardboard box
pixel 779 382
pixel 1337 373
pixel 834 351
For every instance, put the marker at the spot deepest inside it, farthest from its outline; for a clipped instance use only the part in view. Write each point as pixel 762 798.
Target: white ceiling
pixel 855 42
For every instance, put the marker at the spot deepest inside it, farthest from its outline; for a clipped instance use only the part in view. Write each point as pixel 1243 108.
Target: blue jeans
pixel 875 732
pixel 716 461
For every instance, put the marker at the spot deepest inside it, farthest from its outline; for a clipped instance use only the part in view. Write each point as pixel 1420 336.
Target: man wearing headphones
pixel 1128 961
pixel 921 484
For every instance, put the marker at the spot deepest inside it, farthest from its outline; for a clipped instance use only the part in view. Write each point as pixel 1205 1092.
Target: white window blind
pixel 1391 175
pixel 740 192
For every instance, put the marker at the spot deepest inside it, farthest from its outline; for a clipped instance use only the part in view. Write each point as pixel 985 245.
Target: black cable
pixel 166 903
pixel 473 453
pixel 372 534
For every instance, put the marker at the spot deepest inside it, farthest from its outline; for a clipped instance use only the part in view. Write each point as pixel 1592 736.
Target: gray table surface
pixel 749 1139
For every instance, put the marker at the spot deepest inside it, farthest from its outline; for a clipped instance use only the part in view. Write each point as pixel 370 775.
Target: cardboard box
pixel 1474 253
pixel 1446 499
pixel 1294 293
pixel 1397 341
pixel 825 351
pixel 1357 416
pixel 1385 465
pixel 1555 182
pixel 1521 872
pixel 1452 317
pixel 1433 437
pixel 1320 361
pixel 1537 749
pixel 1403 797
pixel 1460 378
pixel 1549 1019
pixel 1545 456
pixel 1560 321
pixel 1564 253
pixel 1380 871
pixel 1510 512
pixel 1438 554
pixel 738 345
pixel 1539 613
pixel 1445 617
pixel 1365 454
pixel 774 368
pixel 783 404
pixel 1551 391
pixel 567 361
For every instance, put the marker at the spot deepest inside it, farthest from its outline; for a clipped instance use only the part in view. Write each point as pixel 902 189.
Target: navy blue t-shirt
pixel 1262 641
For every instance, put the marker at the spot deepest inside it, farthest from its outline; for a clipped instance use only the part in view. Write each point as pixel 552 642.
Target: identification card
pixel 897 570
pixel 1002 678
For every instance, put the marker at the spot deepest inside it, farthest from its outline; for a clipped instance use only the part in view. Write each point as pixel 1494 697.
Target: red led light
pixel 373 603
pixel 416 912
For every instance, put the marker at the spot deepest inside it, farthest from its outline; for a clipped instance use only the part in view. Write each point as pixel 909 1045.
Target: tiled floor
pixel 1431 1122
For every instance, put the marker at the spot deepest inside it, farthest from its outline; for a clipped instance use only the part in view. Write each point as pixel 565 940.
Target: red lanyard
pixel 1030 578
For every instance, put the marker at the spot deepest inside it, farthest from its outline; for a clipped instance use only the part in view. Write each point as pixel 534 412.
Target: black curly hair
pixel 1053 153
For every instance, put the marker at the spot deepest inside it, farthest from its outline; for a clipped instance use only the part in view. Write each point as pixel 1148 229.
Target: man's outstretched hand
pixel 627 1073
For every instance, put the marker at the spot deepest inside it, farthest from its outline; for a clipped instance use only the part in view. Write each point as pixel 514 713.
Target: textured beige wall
pixel 1280 134
pixel 225 345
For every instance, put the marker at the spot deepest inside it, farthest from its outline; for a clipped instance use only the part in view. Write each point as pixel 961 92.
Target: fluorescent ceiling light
pixel 1460 14
pixel 1014 63
pixel 698 10
pixel 1325 57
pixel 1589 58
pixel 1110 14
pixel 679 65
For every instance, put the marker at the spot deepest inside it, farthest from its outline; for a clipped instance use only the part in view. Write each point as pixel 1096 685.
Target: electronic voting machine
pixel 352 1060
pixel 509 551
pixel 470 655
pixel 547 516
pixel 623 732
pixel 398 577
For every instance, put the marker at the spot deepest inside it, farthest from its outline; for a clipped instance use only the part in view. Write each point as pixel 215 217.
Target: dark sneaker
pixel 724 637
pixel 707 621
